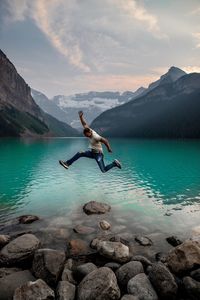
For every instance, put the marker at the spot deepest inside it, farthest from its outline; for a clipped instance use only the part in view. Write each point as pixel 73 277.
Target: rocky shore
pixel 94 263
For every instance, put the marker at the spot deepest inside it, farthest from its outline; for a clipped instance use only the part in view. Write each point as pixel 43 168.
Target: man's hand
pixel 80 113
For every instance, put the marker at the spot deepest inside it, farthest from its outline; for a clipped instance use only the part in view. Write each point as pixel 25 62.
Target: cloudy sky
pixel 69 46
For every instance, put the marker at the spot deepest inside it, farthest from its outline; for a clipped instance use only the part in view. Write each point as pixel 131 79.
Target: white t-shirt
pixel 95 143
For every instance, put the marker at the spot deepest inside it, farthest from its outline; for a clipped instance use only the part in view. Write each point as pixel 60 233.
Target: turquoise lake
pixel 158 188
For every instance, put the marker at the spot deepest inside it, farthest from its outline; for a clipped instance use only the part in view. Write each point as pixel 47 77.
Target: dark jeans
pixel 97 156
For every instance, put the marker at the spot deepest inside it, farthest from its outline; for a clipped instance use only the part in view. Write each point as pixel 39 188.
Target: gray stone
pixel 48 265
pixel 94 207
pixel 27 219
pixel 143 240
pixel 114 250
pixel 128 271
pixel 192 288
pixel 195 274
pixel 163 281
pixel 129 297
pixel 9 283
pixel 81 271
pixel 145 261
pixel 81 229
pixel 104 225
pixel 34 290
pixel 19 250
pixel 100 284
pixel 113 266
pixel 8 271
pixel 141 287
pixel 4 239
pixel 65 291
pixel 67 275
pixel 184 257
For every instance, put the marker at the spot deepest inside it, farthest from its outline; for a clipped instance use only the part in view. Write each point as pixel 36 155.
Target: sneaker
pixel 118 164
pixel 64 164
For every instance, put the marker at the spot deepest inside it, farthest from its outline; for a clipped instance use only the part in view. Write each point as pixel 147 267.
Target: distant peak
pixel 175 69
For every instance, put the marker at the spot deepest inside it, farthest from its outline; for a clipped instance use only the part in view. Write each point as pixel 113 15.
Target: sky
pixel 71 46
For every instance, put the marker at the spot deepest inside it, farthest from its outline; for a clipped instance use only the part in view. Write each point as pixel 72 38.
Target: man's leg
pixel 100 161
pixel 78 155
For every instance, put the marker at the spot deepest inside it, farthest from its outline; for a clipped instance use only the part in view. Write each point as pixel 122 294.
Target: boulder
pixel 19 250
pixel 48 265
pixel 9 283
pixel 94 207
pixel 141 287
pixel 82 270
pixel 34 290
pixel 81 229
pixel 104 225
pixel 78 247
pixel 145 261
pixel 173 240
pixel 192 288
pixel 184 257
pixel 163 281
pixel 67 274
pixel 129 297
pixel 27 219
pixel 195 274
pixel 4 239
pixel 113 266
pixel 128 271
pixel 143 240
pixel 65 291
pixel 114 250
pixel 8 271
pixel 100 284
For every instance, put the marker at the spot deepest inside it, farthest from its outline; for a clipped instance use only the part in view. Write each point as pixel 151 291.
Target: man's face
pixel 88 134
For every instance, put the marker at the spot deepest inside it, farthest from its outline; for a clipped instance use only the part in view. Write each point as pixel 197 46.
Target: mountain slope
pixel 19 114
pixel 170 110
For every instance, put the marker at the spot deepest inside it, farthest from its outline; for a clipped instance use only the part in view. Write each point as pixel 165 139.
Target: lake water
pixel 157 190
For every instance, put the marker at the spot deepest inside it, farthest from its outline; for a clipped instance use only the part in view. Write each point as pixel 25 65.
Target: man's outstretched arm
pixel 106 143
pixel 83 122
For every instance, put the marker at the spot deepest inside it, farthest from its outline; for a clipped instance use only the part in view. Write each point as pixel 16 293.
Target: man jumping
pixel 96 150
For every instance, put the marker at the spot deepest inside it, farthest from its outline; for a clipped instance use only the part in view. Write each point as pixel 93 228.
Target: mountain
pixel 92 103
pixel 170 109
pixel 19 114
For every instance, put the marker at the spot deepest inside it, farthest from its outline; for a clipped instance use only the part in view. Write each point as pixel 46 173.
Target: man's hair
pixel 86 130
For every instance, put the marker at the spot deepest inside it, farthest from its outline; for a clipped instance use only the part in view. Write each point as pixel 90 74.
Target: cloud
pixel 191 69
pixel 196 35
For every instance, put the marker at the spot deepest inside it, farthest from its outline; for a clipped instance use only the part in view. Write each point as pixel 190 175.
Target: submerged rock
pixel 34 290
pixel 19 250
pixel 114 250
pixel 195 274
pixel 163 281
pixel 192 288
pixel 81 271
pixel 94 207
pixel 9 283
pixel 128 271
pixel 104 225
pixel 27 219
pixel 78 247
pixel 81 229
pixel 173 240
pixel 141 287
pixel 184 257
pixel 65 291
pixel 145 261
pixel 143 240
pixel 48 265
pixel 4 239
pixel 100 284
pixel 160 256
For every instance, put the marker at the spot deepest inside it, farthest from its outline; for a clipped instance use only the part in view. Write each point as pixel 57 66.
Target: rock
pixel 163 281
pixel 48 265
pixel 81 229
pixel 9 283
pixel 8 271
pixel 114 250
pixel 129 297
pixel 27 219
pixel 143 240
pixel 192 288
pixel 78 247
pixel 128 271
pixel 168 214
pixel 141 287
pixel 65 291
pixel 81 271
pixel 34 290
pixel 195 274
pixel 160 256
pixel 19 250
pixel 67 274
pixel 94 207
pixel 173 240
pixel 104 225
pixel 145 261
pixel 100 284
pixel 113 266
pixel 4 239
pixel 184 257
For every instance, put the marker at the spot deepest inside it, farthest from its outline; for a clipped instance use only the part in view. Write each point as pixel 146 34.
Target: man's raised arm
pixel 83 122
